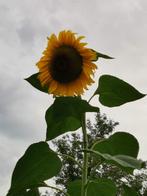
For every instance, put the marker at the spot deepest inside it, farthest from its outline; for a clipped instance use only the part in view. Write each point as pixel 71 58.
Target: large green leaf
pixel 100 55
pixel 65 115
pixel 113 91
pixel 101 187
pixel 119 143
pixel 34 81
pixel 128 191
pixel 120 149
pixel 74 188
pixel 38 164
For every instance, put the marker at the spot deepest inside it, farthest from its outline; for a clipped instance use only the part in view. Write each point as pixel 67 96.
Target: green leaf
pixel 115 92
pixel 39 163
pixel 118 143
pixel 126 163
pixel 20 193
pixel 120 149
pixel 101 187
pixel 34 81
pixel 74 188
pixel 127 191
pixel 65 115
pixel 100 55
pixel 33 192
pixel 30 192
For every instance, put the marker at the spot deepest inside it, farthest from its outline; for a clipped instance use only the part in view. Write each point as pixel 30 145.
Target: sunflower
pixel 66 66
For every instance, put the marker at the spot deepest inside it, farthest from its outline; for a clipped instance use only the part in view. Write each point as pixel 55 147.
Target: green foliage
pixel 38 164
pixel 72 145
pixel 127 191
pixel 34 81
pixel 101 187
pixel 65 115
pixel 121 149
pixel 74 188
pixel 118 143
pixel 113 91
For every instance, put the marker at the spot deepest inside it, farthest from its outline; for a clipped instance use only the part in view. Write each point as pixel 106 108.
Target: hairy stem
pixel 85 158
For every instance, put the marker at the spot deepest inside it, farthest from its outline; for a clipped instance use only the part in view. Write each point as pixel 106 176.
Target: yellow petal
pixel 53 86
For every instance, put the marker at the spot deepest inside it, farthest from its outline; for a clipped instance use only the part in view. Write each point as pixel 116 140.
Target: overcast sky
pixel 117 28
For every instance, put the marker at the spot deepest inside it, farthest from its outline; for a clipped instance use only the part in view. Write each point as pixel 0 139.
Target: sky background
pixel 116 28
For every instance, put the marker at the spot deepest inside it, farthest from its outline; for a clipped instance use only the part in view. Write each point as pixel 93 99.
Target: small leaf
pixel 100 55
pixel 35 82
pixel 128 191
pixel 118 143
pixel 101 187
pixel 115 92
pixel 65 115
pixel 74 188
pixel 39 163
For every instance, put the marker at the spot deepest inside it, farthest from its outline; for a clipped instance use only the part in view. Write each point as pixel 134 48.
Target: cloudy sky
pixel 117 28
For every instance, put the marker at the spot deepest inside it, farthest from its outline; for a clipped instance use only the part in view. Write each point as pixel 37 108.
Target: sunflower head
pixel 66 66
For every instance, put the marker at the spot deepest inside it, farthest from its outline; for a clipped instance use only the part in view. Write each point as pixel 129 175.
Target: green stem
pixel 85 158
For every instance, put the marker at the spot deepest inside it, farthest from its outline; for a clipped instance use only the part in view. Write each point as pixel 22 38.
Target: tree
pixel 71 145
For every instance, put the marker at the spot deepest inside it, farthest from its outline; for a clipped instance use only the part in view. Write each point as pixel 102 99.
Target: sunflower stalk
pixel 85 158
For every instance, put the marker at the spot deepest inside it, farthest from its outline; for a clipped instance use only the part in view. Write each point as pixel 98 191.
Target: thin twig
pixel 57 189
pixel 72 158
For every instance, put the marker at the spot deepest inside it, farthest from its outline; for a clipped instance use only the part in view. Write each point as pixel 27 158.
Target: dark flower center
pixel 66 64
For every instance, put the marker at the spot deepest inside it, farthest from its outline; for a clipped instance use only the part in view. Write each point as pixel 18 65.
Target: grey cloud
pixel 26 32
pixel 115 27
pixel 18 109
